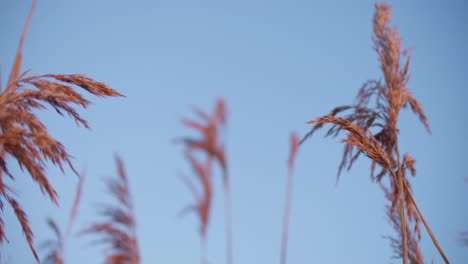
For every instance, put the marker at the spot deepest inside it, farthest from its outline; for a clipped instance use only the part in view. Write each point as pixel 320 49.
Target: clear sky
pixel 278 64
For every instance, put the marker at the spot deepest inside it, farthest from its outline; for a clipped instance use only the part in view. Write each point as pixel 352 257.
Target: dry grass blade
pixel 25 138
pixel 294 144
pixel 118 227
pixel 23 219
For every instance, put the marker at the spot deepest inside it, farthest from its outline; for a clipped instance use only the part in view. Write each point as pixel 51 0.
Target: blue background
pixel 278 64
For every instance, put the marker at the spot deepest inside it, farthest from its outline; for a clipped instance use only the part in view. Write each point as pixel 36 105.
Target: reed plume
pixel 378 105
pixel 26 139
pixel 294 144
pixel 203 199
pixel 209 143
pixel 56 246
pixel 117 229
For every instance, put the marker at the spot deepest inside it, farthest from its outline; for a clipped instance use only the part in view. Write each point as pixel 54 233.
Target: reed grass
pixel 370 126
pixel 117 229
pixel 388 96
pixel 203 200
pixel 23 135
pixel 56 246
pixel 294 147
pixel 209 143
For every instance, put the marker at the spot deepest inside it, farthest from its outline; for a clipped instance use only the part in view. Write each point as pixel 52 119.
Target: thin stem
pixel 287 212
pixel 402 219
pixel 401 194
pixel 428 228
pixel 228 219
pixel 402 213
pixel 426 225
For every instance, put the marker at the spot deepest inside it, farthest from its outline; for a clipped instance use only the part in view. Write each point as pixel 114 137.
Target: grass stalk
pixel 286 217
pixel 426 225
pixel 403 219
pixel 289 192
pixel 210 145
pixel 401 195
pixel 228 219
pixel 404 188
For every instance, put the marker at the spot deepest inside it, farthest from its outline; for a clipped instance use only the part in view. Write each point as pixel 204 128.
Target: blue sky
pixel 278 64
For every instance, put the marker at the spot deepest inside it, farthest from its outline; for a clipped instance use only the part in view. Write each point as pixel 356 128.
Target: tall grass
pixel 56 246
pixel 117 228
pixel 203 199
pixel 26 139
pixel 294 144
pixel 370 126
pixel 209 143
pixel 388 97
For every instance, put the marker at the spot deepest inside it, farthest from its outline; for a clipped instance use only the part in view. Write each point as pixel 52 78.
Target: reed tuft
pixel 210 145
pixel 203 199
pixel 25 138
pixel 377 108
pixel 56 246
pixel 117 229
